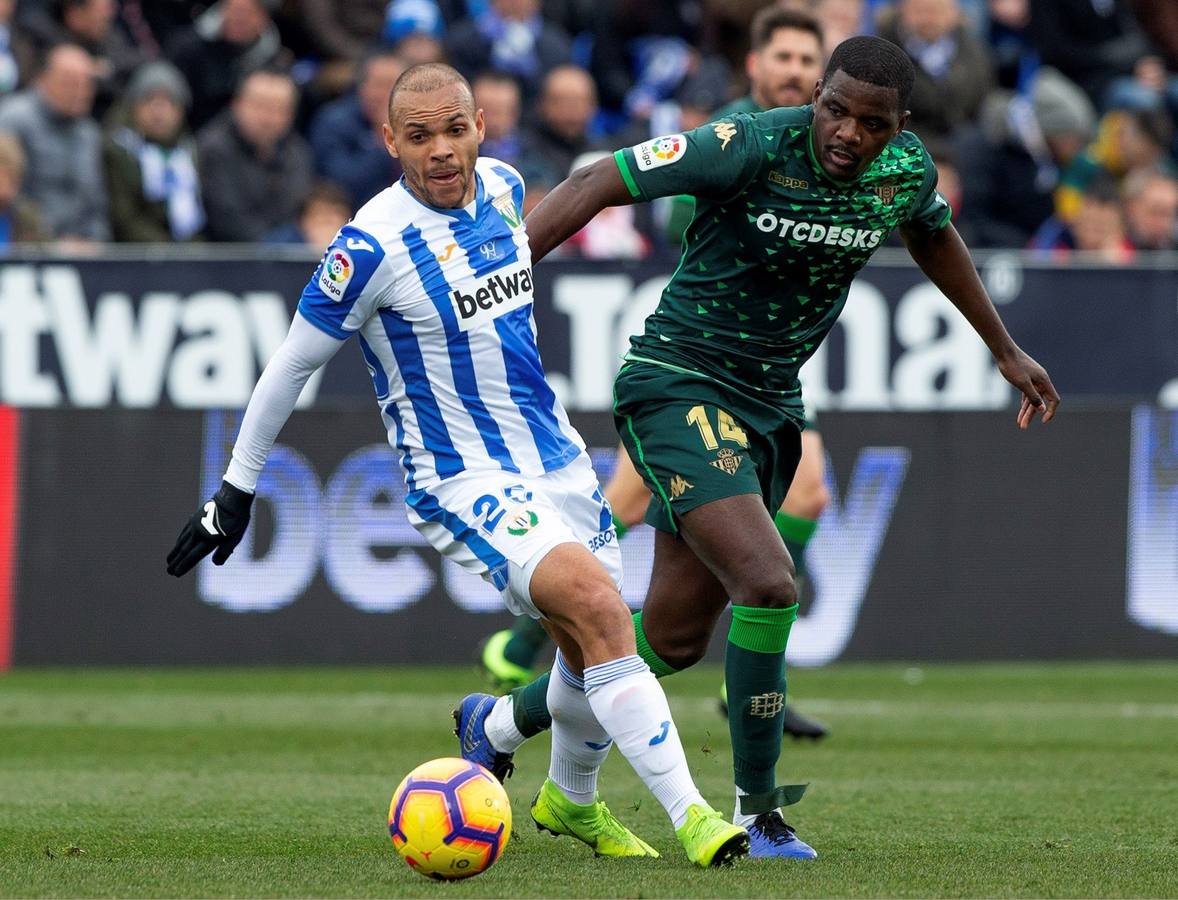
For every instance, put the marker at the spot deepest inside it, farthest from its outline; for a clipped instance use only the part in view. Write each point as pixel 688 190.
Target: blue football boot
pixel 470 720
pixel 769 836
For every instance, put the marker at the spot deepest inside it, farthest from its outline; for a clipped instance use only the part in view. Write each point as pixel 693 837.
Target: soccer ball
pixel 450 819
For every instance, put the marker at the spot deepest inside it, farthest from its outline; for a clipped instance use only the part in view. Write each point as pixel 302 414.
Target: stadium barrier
pixel 952 536
pixel 137 329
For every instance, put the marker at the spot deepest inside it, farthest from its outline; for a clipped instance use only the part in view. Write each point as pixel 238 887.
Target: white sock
pixel 739 818
pixel 631 706
pixel 500 726
pixel 579 743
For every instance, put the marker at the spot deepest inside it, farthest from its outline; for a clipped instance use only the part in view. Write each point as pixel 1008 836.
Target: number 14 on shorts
pixel 697 416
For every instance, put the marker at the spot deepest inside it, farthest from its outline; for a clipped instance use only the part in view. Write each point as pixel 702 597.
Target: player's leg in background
pixel 509 655
pixel 796 522
pixel 807 498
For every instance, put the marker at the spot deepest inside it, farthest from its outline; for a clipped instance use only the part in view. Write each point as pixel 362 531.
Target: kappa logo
pixel 727 460
pixel 445 255
pixel 505 205
pixel 787 181
pixel 489 250
pixel 523 523
pixel 680 486
pixel 725 131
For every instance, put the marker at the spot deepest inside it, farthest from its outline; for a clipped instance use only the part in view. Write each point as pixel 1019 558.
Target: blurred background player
pixel 783 65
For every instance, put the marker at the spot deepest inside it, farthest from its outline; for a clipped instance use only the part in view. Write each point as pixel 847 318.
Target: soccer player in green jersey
pixel 783 65
pixel 791 203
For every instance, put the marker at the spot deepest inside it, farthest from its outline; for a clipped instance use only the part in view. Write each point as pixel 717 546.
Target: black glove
pixel 219 525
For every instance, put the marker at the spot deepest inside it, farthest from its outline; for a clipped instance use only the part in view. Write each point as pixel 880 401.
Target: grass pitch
pixel 951 781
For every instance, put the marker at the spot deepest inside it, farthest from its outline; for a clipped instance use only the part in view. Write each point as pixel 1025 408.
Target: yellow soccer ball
pixel 450 819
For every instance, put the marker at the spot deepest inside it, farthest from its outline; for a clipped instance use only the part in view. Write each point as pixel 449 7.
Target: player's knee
pixel 601 617
pixel 769 589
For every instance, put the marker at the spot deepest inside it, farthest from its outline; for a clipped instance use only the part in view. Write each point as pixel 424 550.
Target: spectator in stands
pixel 1092 42
pixel 20 221
pixel 418 48
pixel 498 96
pixel 63 147
pixel 1150 198
pixel 346 134
pixel 150 161
pixel 612 233
pixel 509 36
pixel 342 29
pixel 1010 44
pixel 324 212
pixel 91 24
pixel 840 19
pixel 567 106
pixel 1098 227
pixel 1125 141
pixel 1012 164
pixel 229 40
pixel 17 53
pixel 254 169
pixel 953 68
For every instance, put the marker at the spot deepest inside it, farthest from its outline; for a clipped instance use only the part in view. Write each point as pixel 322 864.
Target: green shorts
pixel 694 440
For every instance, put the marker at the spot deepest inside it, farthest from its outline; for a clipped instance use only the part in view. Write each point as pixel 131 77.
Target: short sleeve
pixel 342 295
pixel 716 160
pixel 930 211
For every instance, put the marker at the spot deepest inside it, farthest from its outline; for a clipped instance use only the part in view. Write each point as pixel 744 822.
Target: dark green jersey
pixel 774 244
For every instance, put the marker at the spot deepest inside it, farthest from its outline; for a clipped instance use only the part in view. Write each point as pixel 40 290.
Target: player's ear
pixel 390 142
pixel 480 126
pixel 817 91
pixel 904 117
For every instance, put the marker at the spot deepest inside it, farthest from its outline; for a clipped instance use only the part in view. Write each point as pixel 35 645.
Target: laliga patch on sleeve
pixel 338 270
pixel 662 151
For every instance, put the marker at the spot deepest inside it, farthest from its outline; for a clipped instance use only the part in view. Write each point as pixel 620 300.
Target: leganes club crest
pixel 505 205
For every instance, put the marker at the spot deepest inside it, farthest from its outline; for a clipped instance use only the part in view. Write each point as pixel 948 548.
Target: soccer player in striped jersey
pixel 434 277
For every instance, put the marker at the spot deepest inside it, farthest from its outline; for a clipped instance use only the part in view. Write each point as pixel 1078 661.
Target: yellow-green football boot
pixel 591 824
pixel 501 672
pixel 710 839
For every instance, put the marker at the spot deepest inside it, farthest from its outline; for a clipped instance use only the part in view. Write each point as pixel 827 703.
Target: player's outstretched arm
pixel 944 258
pixel 221 521
pixel 573 203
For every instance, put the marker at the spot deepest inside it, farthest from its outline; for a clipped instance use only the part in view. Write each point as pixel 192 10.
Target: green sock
pixel 754 669
pixel 529 704
pixel 619 527
pixel 527 638
pixel 796 532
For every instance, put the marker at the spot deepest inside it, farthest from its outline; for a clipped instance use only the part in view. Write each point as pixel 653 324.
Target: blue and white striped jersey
pixel 442 301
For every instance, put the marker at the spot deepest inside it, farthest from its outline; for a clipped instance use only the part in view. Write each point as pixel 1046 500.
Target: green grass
pixel 952 781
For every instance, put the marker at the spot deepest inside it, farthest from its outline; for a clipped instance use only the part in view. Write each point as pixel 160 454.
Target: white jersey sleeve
pixel 343 294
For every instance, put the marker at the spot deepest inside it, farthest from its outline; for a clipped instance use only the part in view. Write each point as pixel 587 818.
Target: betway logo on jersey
pixel 802 232
pixel 483 299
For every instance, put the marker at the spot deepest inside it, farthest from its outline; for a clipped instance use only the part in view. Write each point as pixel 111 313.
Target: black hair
pixel 426 77
pixel 876 61
pixel 772 19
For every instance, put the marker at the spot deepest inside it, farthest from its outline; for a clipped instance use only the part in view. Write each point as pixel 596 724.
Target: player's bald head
pixel 427 78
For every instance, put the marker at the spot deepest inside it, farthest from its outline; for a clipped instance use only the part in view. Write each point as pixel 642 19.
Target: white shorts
pixel 501 524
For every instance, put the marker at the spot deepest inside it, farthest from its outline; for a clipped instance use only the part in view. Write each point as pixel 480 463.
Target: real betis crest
pixel 886 192
pixel 505 206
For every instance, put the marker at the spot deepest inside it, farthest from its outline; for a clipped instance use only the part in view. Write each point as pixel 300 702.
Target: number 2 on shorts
pixel 729 430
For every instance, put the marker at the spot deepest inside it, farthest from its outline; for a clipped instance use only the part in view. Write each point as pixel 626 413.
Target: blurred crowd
pixel 1051 121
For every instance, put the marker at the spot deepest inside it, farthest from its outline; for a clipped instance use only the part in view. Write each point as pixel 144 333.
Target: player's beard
pixel 792 93
pixel 428 193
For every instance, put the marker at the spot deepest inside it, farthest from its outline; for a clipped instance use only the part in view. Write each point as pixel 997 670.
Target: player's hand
pixel 1039 394
pixel 218 525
